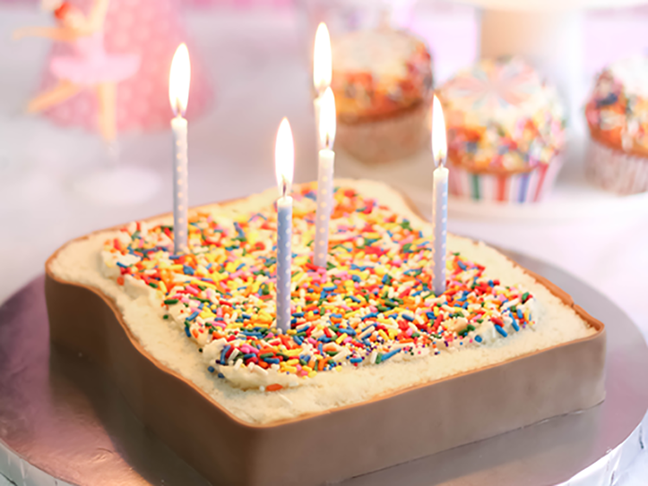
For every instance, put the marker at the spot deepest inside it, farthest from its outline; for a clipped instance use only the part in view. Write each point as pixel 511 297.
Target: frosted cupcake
pixel 506 130
pixel 617 115
pixel 382 81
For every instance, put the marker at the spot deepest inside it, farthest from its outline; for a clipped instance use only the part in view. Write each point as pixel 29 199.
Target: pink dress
pixel 91 65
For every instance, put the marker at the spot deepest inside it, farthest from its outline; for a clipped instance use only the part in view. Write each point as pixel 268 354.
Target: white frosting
pixel 633 74
pixel 166 341
pixel 503 92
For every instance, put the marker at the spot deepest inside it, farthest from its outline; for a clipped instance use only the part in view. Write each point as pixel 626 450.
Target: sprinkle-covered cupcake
pixel 506 130
pixel 617 115
pixel 382 81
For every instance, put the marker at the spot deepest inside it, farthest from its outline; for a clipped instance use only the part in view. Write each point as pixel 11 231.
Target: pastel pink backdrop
pixel 197 3
pixel 153 29
pixel 239 3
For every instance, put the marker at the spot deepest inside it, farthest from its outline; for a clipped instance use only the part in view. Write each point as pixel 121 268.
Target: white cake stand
pixel 572 198
pixel 118 186
pixel 112 182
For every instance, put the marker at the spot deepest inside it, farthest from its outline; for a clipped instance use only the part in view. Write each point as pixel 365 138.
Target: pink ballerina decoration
pixel 140 38
pixel 88 67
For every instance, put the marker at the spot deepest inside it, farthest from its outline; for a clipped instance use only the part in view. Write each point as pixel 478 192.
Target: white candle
pixel 284 259
pixel 179 80
pixel 180 184
pixel 322 68
pixel 326 161
pixel 284 167
pixel 439 199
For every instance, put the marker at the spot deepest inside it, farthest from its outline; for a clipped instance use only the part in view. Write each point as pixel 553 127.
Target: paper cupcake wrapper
pixel 387 139
pixel 528 187
pixel 616 171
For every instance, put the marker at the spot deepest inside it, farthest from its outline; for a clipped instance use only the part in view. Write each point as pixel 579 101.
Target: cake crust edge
pixel 491 400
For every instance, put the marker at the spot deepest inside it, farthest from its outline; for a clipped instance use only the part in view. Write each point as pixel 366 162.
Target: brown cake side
pixel 340 443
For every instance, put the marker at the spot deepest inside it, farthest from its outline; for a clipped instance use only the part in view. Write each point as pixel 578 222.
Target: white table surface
pixel 260 67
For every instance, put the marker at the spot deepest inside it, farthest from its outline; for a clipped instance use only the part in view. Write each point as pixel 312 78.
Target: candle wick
pixel 177 109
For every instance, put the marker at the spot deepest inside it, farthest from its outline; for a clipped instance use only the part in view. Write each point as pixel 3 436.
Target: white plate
pixel 572 197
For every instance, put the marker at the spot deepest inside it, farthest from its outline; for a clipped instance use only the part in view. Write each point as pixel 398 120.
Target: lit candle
pixel 326 163
pixel 178 96
pixel 439 199
pixel 284 166
pixel 322 67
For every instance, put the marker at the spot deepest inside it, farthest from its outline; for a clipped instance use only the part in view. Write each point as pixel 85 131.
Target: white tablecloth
pixel 259 65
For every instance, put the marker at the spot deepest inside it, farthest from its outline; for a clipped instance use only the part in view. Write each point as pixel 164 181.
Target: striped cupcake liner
pixel 527 187
pixel 616 171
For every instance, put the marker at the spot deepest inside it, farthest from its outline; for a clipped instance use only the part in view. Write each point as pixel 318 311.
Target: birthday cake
pixel 375 369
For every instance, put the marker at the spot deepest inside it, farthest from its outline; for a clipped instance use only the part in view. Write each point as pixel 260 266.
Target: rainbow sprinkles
pixel 373 303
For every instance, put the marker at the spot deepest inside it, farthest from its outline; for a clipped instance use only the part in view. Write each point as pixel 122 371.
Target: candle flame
pixel 327 122
pixel 439 143
pixel 179 80
pixel 284 158
pixel 322 64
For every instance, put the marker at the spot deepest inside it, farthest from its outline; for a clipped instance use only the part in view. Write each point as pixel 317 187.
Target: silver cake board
pixel 62 421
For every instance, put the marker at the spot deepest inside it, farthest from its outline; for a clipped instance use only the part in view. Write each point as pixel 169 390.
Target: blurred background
pixel 252 65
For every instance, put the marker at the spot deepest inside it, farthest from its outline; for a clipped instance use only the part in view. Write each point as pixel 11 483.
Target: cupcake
pixel 617 115
pixel 382 81
pixel 506 130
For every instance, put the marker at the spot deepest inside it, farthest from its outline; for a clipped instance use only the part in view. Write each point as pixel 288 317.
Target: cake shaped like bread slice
pixel 191 341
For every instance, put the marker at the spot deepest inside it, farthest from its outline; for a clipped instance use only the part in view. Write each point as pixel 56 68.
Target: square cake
pixel 375 370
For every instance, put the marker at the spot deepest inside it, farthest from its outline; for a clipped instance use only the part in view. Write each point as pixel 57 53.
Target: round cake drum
pixel 63 422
